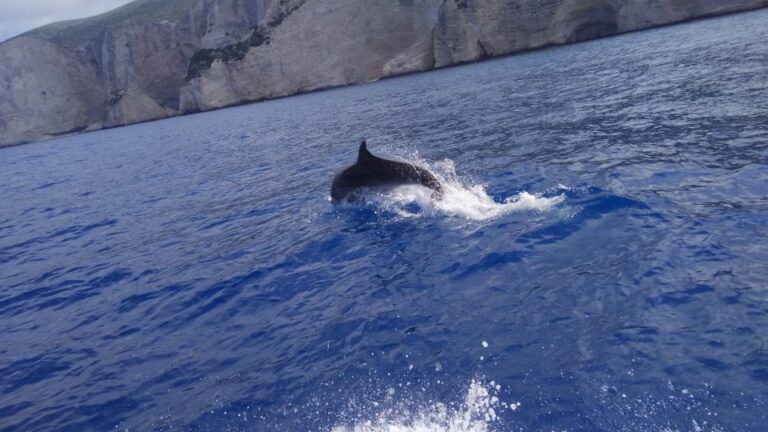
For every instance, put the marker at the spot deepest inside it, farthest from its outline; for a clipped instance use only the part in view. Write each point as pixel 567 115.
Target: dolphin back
pixel 372 171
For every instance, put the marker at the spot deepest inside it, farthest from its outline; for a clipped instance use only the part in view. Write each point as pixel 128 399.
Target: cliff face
pixel 380 38
pixel 157 58
pixel 44 87
pixel 469 30
pixel 123 67
pixel 313 44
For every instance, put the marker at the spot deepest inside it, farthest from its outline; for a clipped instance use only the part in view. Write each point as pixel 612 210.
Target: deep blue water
pixel 600 259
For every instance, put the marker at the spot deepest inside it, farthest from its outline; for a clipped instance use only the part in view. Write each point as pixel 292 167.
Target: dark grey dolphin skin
pixel 373 172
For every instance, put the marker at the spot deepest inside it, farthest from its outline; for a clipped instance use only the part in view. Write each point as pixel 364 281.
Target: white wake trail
pixel 460 198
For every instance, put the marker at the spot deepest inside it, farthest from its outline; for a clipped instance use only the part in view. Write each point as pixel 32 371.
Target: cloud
pixel 18 16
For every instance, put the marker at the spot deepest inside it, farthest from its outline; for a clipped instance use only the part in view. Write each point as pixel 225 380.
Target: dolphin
pixel 374 172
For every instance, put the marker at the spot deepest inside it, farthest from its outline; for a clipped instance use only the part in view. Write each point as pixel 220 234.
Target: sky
pixel 18 16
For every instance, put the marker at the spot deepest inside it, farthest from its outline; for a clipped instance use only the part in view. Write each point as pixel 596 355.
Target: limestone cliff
pixel 122 67
pixel 469 30
pixel 157 58
pixel 315 44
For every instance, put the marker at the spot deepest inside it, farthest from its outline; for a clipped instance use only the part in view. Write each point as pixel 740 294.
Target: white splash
pixel 477 413
pixel 460 199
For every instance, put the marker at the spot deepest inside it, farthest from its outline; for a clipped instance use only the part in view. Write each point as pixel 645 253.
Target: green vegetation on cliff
pixel 76 32
pixel 204 58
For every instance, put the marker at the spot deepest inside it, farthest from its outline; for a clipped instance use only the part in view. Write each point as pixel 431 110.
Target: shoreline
pixel 85 129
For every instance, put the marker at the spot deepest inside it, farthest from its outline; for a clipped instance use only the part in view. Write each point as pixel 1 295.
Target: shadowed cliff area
pixel 153 59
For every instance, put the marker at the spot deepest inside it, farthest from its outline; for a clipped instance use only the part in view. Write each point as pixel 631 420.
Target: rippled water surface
pixel 599 263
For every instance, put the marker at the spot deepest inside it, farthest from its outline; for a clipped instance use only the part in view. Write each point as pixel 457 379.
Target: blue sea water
pixel 598 262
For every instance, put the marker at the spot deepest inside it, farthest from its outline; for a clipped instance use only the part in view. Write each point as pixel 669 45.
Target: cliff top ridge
pixel 77 31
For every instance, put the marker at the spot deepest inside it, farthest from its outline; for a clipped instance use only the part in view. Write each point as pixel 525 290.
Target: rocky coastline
pixel 154 59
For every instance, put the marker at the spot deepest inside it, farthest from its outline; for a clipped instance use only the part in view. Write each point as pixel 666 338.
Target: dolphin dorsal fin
pixel 364 154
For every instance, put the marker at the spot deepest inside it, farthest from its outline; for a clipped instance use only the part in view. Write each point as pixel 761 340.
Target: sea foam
pixel 477 412
pixel 461 198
